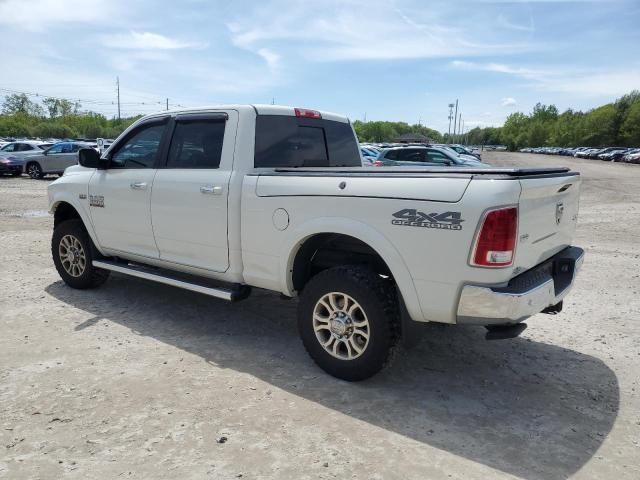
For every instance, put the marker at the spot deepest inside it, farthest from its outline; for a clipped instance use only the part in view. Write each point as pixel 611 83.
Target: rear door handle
pixel 210 190
pixel 139 185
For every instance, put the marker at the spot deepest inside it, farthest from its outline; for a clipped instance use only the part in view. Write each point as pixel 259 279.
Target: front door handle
pixel 139 185
pixel 210 190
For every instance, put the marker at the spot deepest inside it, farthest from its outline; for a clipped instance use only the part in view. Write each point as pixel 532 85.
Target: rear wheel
pixel 73 255
pixel 348 321
pixel 34 170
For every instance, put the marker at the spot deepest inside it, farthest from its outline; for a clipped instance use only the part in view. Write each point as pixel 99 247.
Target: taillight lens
pixel 378 163
pixel 496 241
pixel 306 113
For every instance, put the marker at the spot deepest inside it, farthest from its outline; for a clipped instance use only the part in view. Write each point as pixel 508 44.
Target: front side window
pixel 140 149
pixel 438 157
pixel 196 144
pixel 287 141
pixel 10 147
pixel 55 149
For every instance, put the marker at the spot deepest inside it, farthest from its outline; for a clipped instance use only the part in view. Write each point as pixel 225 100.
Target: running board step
pixel 238 292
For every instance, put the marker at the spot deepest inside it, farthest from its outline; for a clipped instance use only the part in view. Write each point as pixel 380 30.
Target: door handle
pixel 138 185
pixel 210 190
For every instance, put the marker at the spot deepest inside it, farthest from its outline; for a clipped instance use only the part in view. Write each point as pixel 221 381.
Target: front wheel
pixel 73 255
pixel 34 170
pixel 348 321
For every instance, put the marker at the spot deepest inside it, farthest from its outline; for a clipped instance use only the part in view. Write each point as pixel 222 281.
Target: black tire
pixel 34 170
pixel 378 301
pixel 76 274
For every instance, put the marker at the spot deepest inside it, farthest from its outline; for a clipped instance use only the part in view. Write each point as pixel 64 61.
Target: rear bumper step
pixel 237 292
pixel 540 289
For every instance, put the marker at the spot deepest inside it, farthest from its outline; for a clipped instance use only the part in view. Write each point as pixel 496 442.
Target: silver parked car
pixel 54 159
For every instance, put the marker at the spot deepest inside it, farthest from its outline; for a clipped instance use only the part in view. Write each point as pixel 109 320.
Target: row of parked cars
pixel 38 158
pixel 611 154
pixel 430 155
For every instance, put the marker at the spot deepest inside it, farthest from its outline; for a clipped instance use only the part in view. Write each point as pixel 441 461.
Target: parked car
pixel 12 155
pixel 424 156
pixel 585 153
pixel 21 148
pixel 632 157
pixel 272 197
pixel 462 150
pixel 11 166
pixel 54 159
pixel 612 155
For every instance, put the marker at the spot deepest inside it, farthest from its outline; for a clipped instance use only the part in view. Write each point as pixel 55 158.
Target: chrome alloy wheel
pixel 341 326
pixel 72 255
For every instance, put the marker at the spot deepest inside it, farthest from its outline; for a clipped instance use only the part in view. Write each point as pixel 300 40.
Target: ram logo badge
pixel 410 217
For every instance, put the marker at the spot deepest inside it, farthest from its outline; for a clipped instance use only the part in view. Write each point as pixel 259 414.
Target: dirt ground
pixel 138 380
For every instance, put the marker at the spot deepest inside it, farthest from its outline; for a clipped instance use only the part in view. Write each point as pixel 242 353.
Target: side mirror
pixel 89 158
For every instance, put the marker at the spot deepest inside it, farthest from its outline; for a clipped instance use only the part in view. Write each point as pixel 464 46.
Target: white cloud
pixel 271 57
pixel 509 102
pixel 39 15
pixel 586 82
pixel 147 41
pixel 362 30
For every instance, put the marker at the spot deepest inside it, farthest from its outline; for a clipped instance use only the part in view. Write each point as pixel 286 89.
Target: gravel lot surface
pixel 138 380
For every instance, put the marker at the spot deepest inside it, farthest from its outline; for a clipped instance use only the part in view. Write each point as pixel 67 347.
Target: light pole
pixel 455 119
pixel 450 118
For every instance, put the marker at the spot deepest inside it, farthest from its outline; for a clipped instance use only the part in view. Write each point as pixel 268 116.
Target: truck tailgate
pixel 548 214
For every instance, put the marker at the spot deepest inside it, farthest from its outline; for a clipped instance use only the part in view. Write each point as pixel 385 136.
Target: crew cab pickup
pixel 222 199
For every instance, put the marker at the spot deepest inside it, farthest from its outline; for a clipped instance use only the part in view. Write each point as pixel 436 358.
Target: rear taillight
pixel 496 241
pixel 378 163
pixel 303 112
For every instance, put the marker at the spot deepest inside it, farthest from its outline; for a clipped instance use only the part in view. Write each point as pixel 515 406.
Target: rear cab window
pixel 286 141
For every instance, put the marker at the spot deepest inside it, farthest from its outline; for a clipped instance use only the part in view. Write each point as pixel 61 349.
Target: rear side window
pixel 196 144
pixel 286 141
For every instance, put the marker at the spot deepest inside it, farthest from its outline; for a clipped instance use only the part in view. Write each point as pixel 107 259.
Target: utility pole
pixel 462 132
pixel 118 89
pixel 455 119
pixel 167 103
pixel 450 117
pixel 459 123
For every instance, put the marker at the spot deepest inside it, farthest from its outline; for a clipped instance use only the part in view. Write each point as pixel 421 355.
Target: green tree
pixel 630 128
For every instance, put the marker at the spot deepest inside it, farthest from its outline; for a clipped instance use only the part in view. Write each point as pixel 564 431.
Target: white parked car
pixel 276 198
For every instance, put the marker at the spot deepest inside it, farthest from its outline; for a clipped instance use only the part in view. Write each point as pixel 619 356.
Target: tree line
pixel 55 118
pixel 613 124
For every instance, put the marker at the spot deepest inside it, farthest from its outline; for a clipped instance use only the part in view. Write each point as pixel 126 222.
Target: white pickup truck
pixel 222 199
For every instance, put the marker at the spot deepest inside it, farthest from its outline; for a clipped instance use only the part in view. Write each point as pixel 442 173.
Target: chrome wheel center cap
pixel 72 256
pixel 340 324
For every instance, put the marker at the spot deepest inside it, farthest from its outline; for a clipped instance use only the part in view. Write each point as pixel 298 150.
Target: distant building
pixel 412 138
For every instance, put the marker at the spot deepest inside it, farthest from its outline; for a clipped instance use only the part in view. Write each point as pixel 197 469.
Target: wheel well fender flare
pixel 82 214
pixel 361 231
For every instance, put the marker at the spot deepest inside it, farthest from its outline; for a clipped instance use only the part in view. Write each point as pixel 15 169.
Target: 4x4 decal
pixel 410 217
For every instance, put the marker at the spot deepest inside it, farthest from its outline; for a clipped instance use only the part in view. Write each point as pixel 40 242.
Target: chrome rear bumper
pixel 525 295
